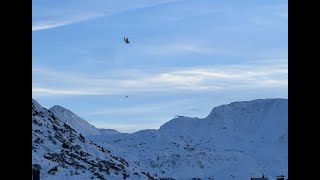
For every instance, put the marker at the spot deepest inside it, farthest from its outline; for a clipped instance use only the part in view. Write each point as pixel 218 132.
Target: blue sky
pixel 185 57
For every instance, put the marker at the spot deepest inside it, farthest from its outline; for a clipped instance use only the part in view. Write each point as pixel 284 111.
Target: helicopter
pixel 126 40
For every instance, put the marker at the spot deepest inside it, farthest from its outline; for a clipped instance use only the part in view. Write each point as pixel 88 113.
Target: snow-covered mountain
pixel 235 141
pixel 62 153
pixel 79 124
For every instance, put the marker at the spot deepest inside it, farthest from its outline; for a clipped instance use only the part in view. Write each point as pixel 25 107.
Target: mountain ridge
pixel 238 140
pixel 60 152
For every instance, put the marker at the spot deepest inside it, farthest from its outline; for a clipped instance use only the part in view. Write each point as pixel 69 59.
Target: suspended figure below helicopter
pixel 126 95
pixel 126 40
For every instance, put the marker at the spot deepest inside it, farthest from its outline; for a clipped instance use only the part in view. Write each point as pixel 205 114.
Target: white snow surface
pixel 64 154
pixel 235 141
pixel 79 124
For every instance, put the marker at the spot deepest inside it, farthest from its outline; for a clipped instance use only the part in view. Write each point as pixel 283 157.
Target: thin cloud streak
pixel 183 48
pixel 190 79
pixel 43 25
pixel 142 109
pixel 101 10
pixel 60 92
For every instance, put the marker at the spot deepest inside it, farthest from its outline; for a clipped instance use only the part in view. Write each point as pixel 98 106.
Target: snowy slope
pixel 235 141
pixel 79 124
pixel 64 154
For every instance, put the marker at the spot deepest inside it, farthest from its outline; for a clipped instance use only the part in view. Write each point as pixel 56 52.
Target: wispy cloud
pixel 261 21
pixel 183 48
pixel 75 11
pixel 49 82
pixel 60 92
pixel 280 10
pixel 282 14
pixel 149 108
pixel 48 24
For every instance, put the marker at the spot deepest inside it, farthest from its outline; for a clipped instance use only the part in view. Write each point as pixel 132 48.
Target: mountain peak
pixel 76 122
pixel 244 117
pixel 60 152
pixel 252 105
pixel 36 105
pixel 60 109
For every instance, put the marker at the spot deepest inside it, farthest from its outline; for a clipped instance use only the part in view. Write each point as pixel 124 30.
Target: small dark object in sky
pixel 126 40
